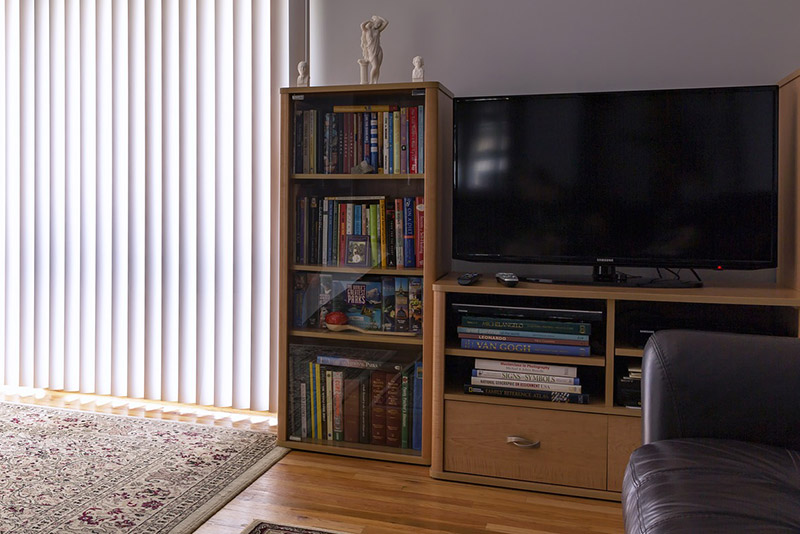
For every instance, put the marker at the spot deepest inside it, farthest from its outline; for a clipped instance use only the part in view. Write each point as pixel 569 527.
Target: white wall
pixel 478 47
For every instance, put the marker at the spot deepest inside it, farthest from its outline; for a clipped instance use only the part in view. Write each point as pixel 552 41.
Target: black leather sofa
pixel 721 434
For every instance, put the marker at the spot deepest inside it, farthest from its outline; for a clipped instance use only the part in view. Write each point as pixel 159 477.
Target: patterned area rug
pixel 63 471
pixel 262 527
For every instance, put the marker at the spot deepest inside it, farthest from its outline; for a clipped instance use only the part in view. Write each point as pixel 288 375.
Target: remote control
pixel 507 279
pixel 468 278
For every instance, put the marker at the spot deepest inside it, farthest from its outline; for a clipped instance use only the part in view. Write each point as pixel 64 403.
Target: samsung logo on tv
pixel 605 260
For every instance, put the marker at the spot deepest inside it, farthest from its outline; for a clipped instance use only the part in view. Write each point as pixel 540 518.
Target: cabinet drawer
pixel 571 452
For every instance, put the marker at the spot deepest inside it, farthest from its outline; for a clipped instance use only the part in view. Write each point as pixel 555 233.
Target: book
pixel 360 301
pixel 415 304
pixel 526 377
pixel 403 140
pixel 325 297
pixel 298 141
pixel 350 410
pixel 378 407
pixel 528 324
pixel 364 412
pixel 405 406
pixel 416 406
pixel 421 139
pixel 394 404
pixel 518 384
pixel 373 139
pixel 552 341
pixel 401 321
pixel 312 394
pixel 398 232
pixel 413 143
pixel 328 421
pixel 391 257
pixel 319 385
pixel 304 409
pixel 524 348
pixel 532 394
pixel 374 238
pixel 522 333
pixel 358 363
pixel 526 367
pixel 337 380
pixel 419 231
pixel 386 142
pixel 390 142
pixel 382 231
pixel 409 247
pixel 387 295
pixel 396 143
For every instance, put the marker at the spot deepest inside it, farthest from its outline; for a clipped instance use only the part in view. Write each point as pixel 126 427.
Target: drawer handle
pixel 522 442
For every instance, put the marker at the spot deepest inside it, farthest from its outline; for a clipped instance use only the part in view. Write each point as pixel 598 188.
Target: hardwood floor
pixel 358 496
pixel 370 497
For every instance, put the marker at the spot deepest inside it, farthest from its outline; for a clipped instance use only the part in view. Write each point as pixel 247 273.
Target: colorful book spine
pixel 524 348
pixel 419 231
pixel 394 404
pixel 527 324
pixel 350 410
pixel 526 377
pixel 421 139
pixel 373 139
pixel 324 232
pixel 396 144
pixel 521 339
pixel 363 108
pixel 342 232
pixel 390 142
pixel 526 367
pixel 416 407
pixel 364 413
pixel 329 226
pixel 403 140
pixel 374 238
pixel 391 255
pixel 401 323
pixel 304 409
pixel 365 139
pixel 405 407
pixel 415 304
pixel 356 230
pixel 387 117
pixel 325 298
pixel 518 384
pixel 329 404
pixel 319 384
pixel 356 363
pixel 378 407
pixel 382 231
pixel 531 394
pixel 413 142
pixel 387 295
pixel 337 379
pixel 409 248
pixel 523 334
pixel 312 393
pixel 398 232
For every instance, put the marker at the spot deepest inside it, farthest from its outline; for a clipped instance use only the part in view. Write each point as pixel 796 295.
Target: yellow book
pixel 318 422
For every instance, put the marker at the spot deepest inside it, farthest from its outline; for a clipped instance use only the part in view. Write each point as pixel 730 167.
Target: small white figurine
pixel 371 45
pixel 418 73
pixel 302 77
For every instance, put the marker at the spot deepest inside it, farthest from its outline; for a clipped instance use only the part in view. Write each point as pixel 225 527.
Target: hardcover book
pixel 526 377
pixel 351 409
pixel 415 304
pixel 532 394
pixel 523 333
pixel 517 384
pixel 409 247
pixel 388 303
pixel 360 301
pixel 526 367
pixel 394 404
pixel 528 324
pixel 416 407
pixel 524 348
pixel 401 320
pixel 378 407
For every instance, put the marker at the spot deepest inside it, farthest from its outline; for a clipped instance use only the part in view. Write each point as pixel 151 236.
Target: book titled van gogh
pixel 360 301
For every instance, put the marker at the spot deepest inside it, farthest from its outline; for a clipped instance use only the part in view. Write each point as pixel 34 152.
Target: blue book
pixel 388 303
pixel 357 220
pixel 409 248
pixel 391 143
pixel 416 408
pixel 373 140
pixel 525 348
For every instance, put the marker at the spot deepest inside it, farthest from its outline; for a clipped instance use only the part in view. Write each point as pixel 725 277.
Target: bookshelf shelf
pixel 356 337
pixel 326 131
pixel 593 361
pixel 606 432
pixel 372 176
pixel 358 270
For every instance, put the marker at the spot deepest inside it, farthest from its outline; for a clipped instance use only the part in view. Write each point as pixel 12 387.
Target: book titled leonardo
pixel 525 348
pixel 530 325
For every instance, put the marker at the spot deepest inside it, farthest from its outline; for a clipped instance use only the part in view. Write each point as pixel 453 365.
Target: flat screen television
pixel 683 178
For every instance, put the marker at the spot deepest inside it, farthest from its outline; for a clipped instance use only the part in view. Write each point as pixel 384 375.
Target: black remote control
pixel 507 279
pixel 468 278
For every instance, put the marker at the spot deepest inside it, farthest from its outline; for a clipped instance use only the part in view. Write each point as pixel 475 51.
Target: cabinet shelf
pixel 593 361
pixel 373 176
pixel 629 351
pixel 596 405
pixel 358 270
pixel 356 336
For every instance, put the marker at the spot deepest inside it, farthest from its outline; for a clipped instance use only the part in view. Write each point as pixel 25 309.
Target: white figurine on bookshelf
pixel 418 73
pixel 302 74
pixel 372 53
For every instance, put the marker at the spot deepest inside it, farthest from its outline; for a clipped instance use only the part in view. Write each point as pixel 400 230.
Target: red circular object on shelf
pixel 336 317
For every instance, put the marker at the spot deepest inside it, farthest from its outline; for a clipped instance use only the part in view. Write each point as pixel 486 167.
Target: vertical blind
pixel 134 138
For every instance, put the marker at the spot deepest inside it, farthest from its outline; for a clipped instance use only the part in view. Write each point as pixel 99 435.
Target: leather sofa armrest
pixel 733 386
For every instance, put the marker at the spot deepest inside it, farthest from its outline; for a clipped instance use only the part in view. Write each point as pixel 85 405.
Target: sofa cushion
pixel 711 485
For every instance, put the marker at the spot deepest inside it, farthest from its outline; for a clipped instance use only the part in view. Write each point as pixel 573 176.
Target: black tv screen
pixel 667 178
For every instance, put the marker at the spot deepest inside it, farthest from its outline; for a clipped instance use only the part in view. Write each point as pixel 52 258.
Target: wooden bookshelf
pixel 433 183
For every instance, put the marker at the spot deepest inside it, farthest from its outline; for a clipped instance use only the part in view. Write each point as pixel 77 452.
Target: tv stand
pixel 607 275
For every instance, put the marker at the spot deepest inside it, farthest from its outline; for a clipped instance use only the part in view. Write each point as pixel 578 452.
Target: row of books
pixel 629 386
pixel 507 334
pixel 391 139
pixel 393 230
pixel 355 396
pixel 526 380
pixel 386 303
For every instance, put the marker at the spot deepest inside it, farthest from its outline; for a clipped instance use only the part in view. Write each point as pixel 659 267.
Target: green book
pixel 374 237
pixel 508 323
